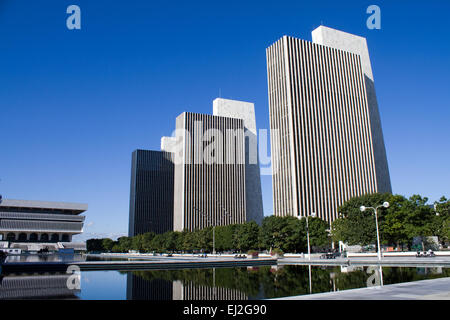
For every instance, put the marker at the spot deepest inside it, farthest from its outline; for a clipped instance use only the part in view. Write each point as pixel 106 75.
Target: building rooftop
pixel 74 208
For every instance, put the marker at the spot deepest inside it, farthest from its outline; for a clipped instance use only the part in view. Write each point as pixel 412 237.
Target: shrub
pixel 278 252
pixel 253 253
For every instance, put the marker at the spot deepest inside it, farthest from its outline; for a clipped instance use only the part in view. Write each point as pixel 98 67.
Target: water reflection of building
pixel 36 287
pixel 275 268
pixel 139 288
pixel 346 269
pixel 432 270
pixel 44 258
pixel 192 291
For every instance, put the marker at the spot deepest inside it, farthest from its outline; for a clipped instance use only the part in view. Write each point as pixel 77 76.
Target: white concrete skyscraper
pixel 355 44
pixel 217 176
pixel 326 138
pixel 209 180
pixel 246 111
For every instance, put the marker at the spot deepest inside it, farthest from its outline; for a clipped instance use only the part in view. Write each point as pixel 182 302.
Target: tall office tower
pixel 209 171
pixel 246 112
pixel 322 130
pixel 151 195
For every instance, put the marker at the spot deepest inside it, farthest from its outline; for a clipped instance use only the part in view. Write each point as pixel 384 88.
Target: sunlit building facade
pixel 24 223
pixel 209 172
pixel 326 138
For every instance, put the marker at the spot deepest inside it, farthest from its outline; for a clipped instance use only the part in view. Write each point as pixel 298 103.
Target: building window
pixel 33 237
pixel 55 237
pixel 44 237
pixel 65 238
pixel 11 237
pixel 23 237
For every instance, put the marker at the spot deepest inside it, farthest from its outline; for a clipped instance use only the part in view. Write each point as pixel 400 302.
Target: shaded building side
pixel 151 194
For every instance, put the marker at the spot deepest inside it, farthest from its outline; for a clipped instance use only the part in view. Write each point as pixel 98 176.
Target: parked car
pixel 330 255
pixel 425 254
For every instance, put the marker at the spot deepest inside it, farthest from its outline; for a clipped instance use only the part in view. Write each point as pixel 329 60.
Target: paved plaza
pixel 435 289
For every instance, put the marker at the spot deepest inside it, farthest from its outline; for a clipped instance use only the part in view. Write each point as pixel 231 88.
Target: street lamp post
pixel 214 239
pixel 313 214
pixel 214 224
pixel 384 205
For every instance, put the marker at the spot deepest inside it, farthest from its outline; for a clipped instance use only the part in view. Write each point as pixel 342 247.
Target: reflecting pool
pixel 239 283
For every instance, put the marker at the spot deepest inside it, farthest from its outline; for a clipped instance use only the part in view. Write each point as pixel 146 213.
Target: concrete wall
pixel 168 144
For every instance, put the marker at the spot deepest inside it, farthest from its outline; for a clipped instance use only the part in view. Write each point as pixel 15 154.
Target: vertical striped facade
pixel 37 286
pixel 349 42
pixel 139 288
pixel 151 194
pixel 321 141
pixel 205 193
pixel 193 291
pixel 246 111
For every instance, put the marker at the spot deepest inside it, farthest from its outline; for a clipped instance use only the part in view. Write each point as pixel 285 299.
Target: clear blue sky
pixel 75 104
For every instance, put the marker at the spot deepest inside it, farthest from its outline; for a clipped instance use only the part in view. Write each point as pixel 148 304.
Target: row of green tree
pixel 399 224
pixel 287 234
pixel 405 219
